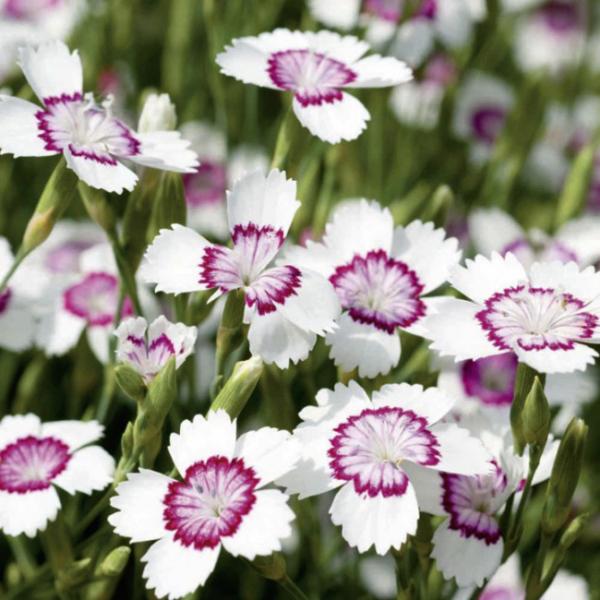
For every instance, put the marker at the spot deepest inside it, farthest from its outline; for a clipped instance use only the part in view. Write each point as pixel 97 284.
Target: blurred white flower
pixel 158 114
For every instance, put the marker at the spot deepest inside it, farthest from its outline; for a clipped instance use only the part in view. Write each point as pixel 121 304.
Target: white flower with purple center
pixel 494 230
pixel 286 306
pixel 148 348
pixel 91 139
pixel 546 315
pixel 377 452
pixel 221 502
pixel 315 68
pixel 37 458
pixel 381 276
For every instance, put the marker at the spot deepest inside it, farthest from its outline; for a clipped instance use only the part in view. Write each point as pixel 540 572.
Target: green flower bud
pixel 536 416
pixel 573 531
pixel 130 382
pixel 127 441
pixel 523 384
pixel 239 386
pixel 114 562
pixel 271 567
pixel 97 206
pixel 564 477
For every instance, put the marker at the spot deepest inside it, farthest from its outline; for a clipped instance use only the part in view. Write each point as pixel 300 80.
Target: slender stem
pixel 20 551
pixel 292 589
pixel 15 265
pixel 127 277
pixel 284 140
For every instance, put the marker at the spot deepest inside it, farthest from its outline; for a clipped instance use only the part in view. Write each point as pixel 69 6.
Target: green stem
pixel 534 589
pixel 125 273
pixel 292 589
pixel 284 140
pixel 26 562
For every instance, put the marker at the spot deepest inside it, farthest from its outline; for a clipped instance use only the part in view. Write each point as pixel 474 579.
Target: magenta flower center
pixel 368 449
pixel 65 258
pixel 150 358
pixel 387 10
pixel 561 17
pixel 379 290
pixel 487 123
pixel 313 77
pixel 211 502
pixel 206 186
pixel 533 318
pixel 31 463
pixel 28 9
pixel 491 380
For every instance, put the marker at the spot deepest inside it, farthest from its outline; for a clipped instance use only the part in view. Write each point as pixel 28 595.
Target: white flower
pixel 315 67
pixel 378 576
pixel 286 307
pixel 545 315
pixel 36 458
pixel 468 545
pixel 376 452
pixel 91 139
pixel 221 502
pixel 158 114
pixel 380 275
pixel 149 352
pixel 482 105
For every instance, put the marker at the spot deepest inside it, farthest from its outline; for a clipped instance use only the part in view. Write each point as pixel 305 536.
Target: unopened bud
pixel 127 441
pixel 114 563
pixel 158 114
pixel 523 384
pixel 536 416
pixel 97 206
pixel 130 382
pixel 573 531
pixel 239 386
pixel 271 567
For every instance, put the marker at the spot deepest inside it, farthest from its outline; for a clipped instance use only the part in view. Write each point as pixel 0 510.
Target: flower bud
pixel 239 386
pixel 271 567
pixel 158 114
pixel 573 531
pixel 130 382
pixel 97 206
pixel 127 441
pixel 114 563
pixel 536 415
pixel 564 477
pixel 523 384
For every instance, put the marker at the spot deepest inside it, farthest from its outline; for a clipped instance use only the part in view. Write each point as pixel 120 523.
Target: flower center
pixel 28 9
pixel 211 501
pixel 368 449
pixel 490 379
pixel 473 501
pixel 380 291
pixel 388 10
pixel 535 319
pixel 487 122
pixel 561 17
pixel 75 123
pixel 31 463
pixel 313 77
pixel 5 300
pixel 428 9
pixel 206 186
pixel 95 299
pixel 150 358
pixel 65 258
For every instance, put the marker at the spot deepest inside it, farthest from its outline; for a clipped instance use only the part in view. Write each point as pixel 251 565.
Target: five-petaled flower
pixel 36 458
pixel 286 306
pixel 91 139
pixel 546 315
pixel 220 502
pixel 378 452
pixel 380 274
pixel 315 67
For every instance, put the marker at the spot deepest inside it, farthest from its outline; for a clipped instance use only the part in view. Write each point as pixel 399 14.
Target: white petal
pixel 51 69
pixel 17 327
pixel 74 433
pixel 584 285
pixel 19 132
pixel 413 41
pixel 558 361
pixel 13 427
pixel 432 403
pixel 483 277
pixel 380 521
pixel 428 488
pixel 165 150
pixel 90 469
pixel 270 452
pixel 174 570
pixel 469 560
pixel 345 48
pixel 332 122
pixel 460 452
pixel 357 345
pixel 427 251
pixel 376 71
pixel 492 230
pixel 341 14
pixel 98 338
pixel 277 340
pixel 314 256
pixel 456 332
pixel 263 200
pixel 110 177
pixel 246 61
pixel 583 237
pixel 59 331
pixel 172 260
pixel 262 529
pixel 139 506
pixel 454 23
pixel 202 438
pixel 28 513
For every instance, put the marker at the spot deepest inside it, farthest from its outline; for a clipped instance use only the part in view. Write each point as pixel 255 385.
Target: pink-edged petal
pixel 51 69
pixel 277 340
pixel 19 132
pixel 584 284
pixel 377 71
pixel 174 570
pixel 428 488
pixel 28 513
pixel 427 251
pixel 357 345
pixel 341 14
pixel 74 433
pixel 13 427
pixel 173 261
pixel 455 331
pixel 140 508
pixel 101 172
pixel 549 360
pixel 262 529
pixel 202 438
pixel 460 452
pixel 384 522
pixel 270 452
pixel 492 230
pixel 263 200
pixel 90 469
pixel 581 236
pixel 342 119
pixel 165 150
pixel 431 403
pixel 17 328
pixel 483 277
pixel 468 559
